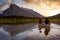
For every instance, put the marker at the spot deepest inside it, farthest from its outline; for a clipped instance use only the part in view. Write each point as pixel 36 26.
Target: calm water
pixel 32 33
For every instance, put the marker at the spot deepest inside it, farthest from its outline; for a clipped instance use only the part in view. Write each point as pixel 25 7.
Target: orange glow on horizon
pixel 45 8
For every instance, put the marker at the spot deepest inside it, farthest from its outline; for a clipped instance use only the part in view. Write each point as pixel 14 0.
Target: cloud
pixel 29 1
pixel 35 2
pixel 45 7
pixel 38 2
pixel 4 4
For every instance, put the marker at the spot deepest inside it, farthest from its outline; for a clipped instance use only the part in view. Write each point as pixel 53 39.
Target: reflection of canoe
pixel 44 25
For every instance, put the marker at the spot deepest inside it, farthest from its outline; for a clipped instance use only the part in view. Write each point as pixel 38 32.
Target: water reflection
pixel 46 27
pixel 33 34
pixel 4 35
pixel 47 30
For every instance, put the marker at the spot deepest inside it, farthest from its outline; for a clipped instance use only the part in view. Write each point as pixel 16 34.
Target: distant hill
pixel 14 10
pixel 56 16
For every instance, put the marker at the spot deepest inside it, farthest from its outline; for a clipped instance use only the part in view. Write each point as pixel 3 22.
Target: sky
pixel 44 7
pixel 4 4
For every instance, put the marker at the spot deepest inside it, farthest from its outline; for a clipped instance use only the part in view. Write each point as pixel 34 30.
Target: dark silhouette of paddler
pixel 40 25
pixel 47 26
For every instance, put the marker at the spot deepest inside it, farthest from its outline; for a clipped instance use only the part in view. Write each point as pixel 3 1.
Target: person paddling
pixel 47 21
pixel 47 26
pixel 40 25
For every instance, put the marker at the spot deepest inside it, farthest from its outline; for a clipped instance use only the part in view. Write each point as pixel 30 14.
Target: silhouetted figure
pixel 40 21
pixel 40 25
pixel 47 26
pixel 47 21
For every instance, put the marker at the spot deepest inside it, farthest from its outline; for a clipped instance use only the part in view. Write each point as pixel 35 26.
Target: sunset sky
pixel 43 7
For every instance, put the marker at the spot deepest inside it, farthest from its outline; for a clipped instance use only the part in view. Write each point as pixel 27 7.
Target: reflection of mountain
pixel 56 16
pixel 14 10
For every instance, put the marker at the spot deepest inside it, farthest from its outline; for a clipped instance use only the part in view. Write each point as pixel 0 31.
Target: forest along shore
pixel 18 20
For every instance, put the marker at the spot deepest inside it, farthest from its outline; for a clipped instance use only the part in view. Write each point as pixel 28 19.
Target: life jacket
pixel 47 22
pixel 40 21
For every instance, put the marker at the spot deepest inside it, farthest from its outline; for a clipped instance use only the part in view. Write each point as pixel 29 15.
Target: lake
pixel 30 32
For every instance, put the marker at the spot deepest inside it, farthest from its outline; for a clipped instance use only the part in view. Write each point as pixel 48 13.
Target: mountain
pixel 14 10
